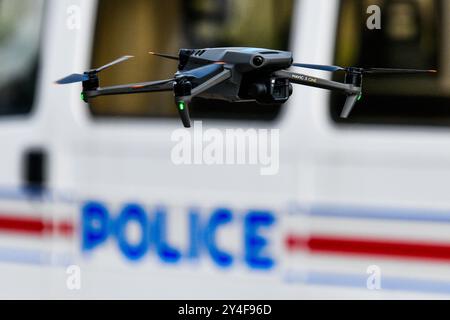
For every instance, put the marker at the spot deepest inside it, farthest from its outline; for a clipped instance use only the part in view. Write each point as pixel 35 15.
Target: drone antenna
pixel 166 56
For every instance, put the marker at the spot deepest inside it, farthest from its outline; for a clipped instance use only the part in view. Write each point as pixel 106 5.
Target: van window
pixel 414 34
pixel 139 26
pixel 20 25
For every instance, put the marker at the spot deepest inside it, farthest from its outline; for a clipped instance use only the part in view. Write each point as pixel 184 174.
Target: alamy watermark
pixel 73 281
pixel 258 147
pixel 374 20
pixel 374 279
pixel 73 21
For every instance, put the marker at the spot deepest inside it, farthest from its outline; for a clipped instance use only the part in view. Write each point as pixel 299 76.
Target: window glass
pixel 138 26
pixel 20 25
pixel 414 34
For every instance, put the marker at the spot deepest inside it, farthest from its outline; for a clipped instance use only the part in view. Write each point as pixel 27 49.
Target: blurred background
pixel 413 33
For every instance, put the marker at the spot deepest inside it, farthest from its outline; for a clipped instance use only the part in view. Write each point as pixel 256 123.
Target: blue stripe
pixel 360 281
pixel 34 195
pixel 33 257
pixel 354 212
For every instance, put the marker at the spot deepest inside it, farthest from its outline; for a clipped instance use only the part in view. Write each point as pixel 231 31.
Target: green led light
pixel 360 96
pixel 82 96
pixel 181 105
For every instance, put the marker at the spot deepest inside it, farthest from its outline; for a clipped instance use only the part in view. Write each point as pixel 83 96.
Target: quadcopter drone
pixel 234 75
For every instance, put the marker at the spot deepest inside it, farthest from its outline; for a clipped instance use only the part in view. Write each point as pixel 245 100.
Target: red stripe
pixel 66 228
pixel 34 226
pixel 364 246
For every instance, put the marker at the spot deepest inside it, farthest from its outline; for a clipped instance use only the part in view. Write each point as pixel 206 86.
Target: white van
pixel 92 205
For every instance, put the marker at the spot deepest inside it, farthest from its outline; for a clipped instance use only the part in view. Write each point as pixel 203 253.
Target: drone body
pixel 248 67
pixel 232 74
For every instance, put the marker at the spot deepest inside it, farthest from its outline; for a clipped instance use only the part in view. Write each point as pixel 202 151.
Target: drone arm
pixel 183 97
pixel 214 81
pixel 352 92
pixel 310 81
pixel 154 86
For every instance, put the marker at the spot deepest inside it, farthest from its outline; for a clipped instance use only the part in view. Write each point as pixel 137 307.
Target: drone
pixel 234 74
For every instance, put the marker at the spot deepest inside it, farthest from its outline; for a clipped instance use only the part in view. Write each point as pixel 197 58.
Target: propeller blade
pixel 362 70
pixel 318 67
pixel 166 56
pixel 395 71
pixel 202 72
pixel 124 58
pixel 73 78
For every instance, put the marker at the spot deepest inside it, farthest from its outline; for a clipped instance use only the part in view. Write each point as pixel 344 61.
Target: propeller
pixel 318 67
pixel 361 70
pixel 354 77
pixel 117 61
pixel 73 78
pixel 76 77
pixel 395 71
pixel 166 56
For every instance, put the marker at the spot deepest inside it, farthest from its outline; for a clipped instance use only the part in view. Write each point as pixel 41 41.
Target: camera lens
pixel 258 61
pixel 257 90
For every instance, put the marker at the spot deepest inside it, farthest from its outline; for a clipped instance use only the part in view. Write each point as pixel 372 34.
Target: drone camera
pixel 274 90
pixel 280 89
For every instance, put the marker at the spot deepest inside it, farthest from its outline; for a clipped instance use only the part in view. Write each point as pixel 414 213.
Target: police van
pixel 92 204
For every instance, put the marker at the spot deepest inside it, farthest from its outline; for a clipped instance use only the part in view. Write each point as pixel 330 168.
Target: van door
pixel 379 211
pixel 25 222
